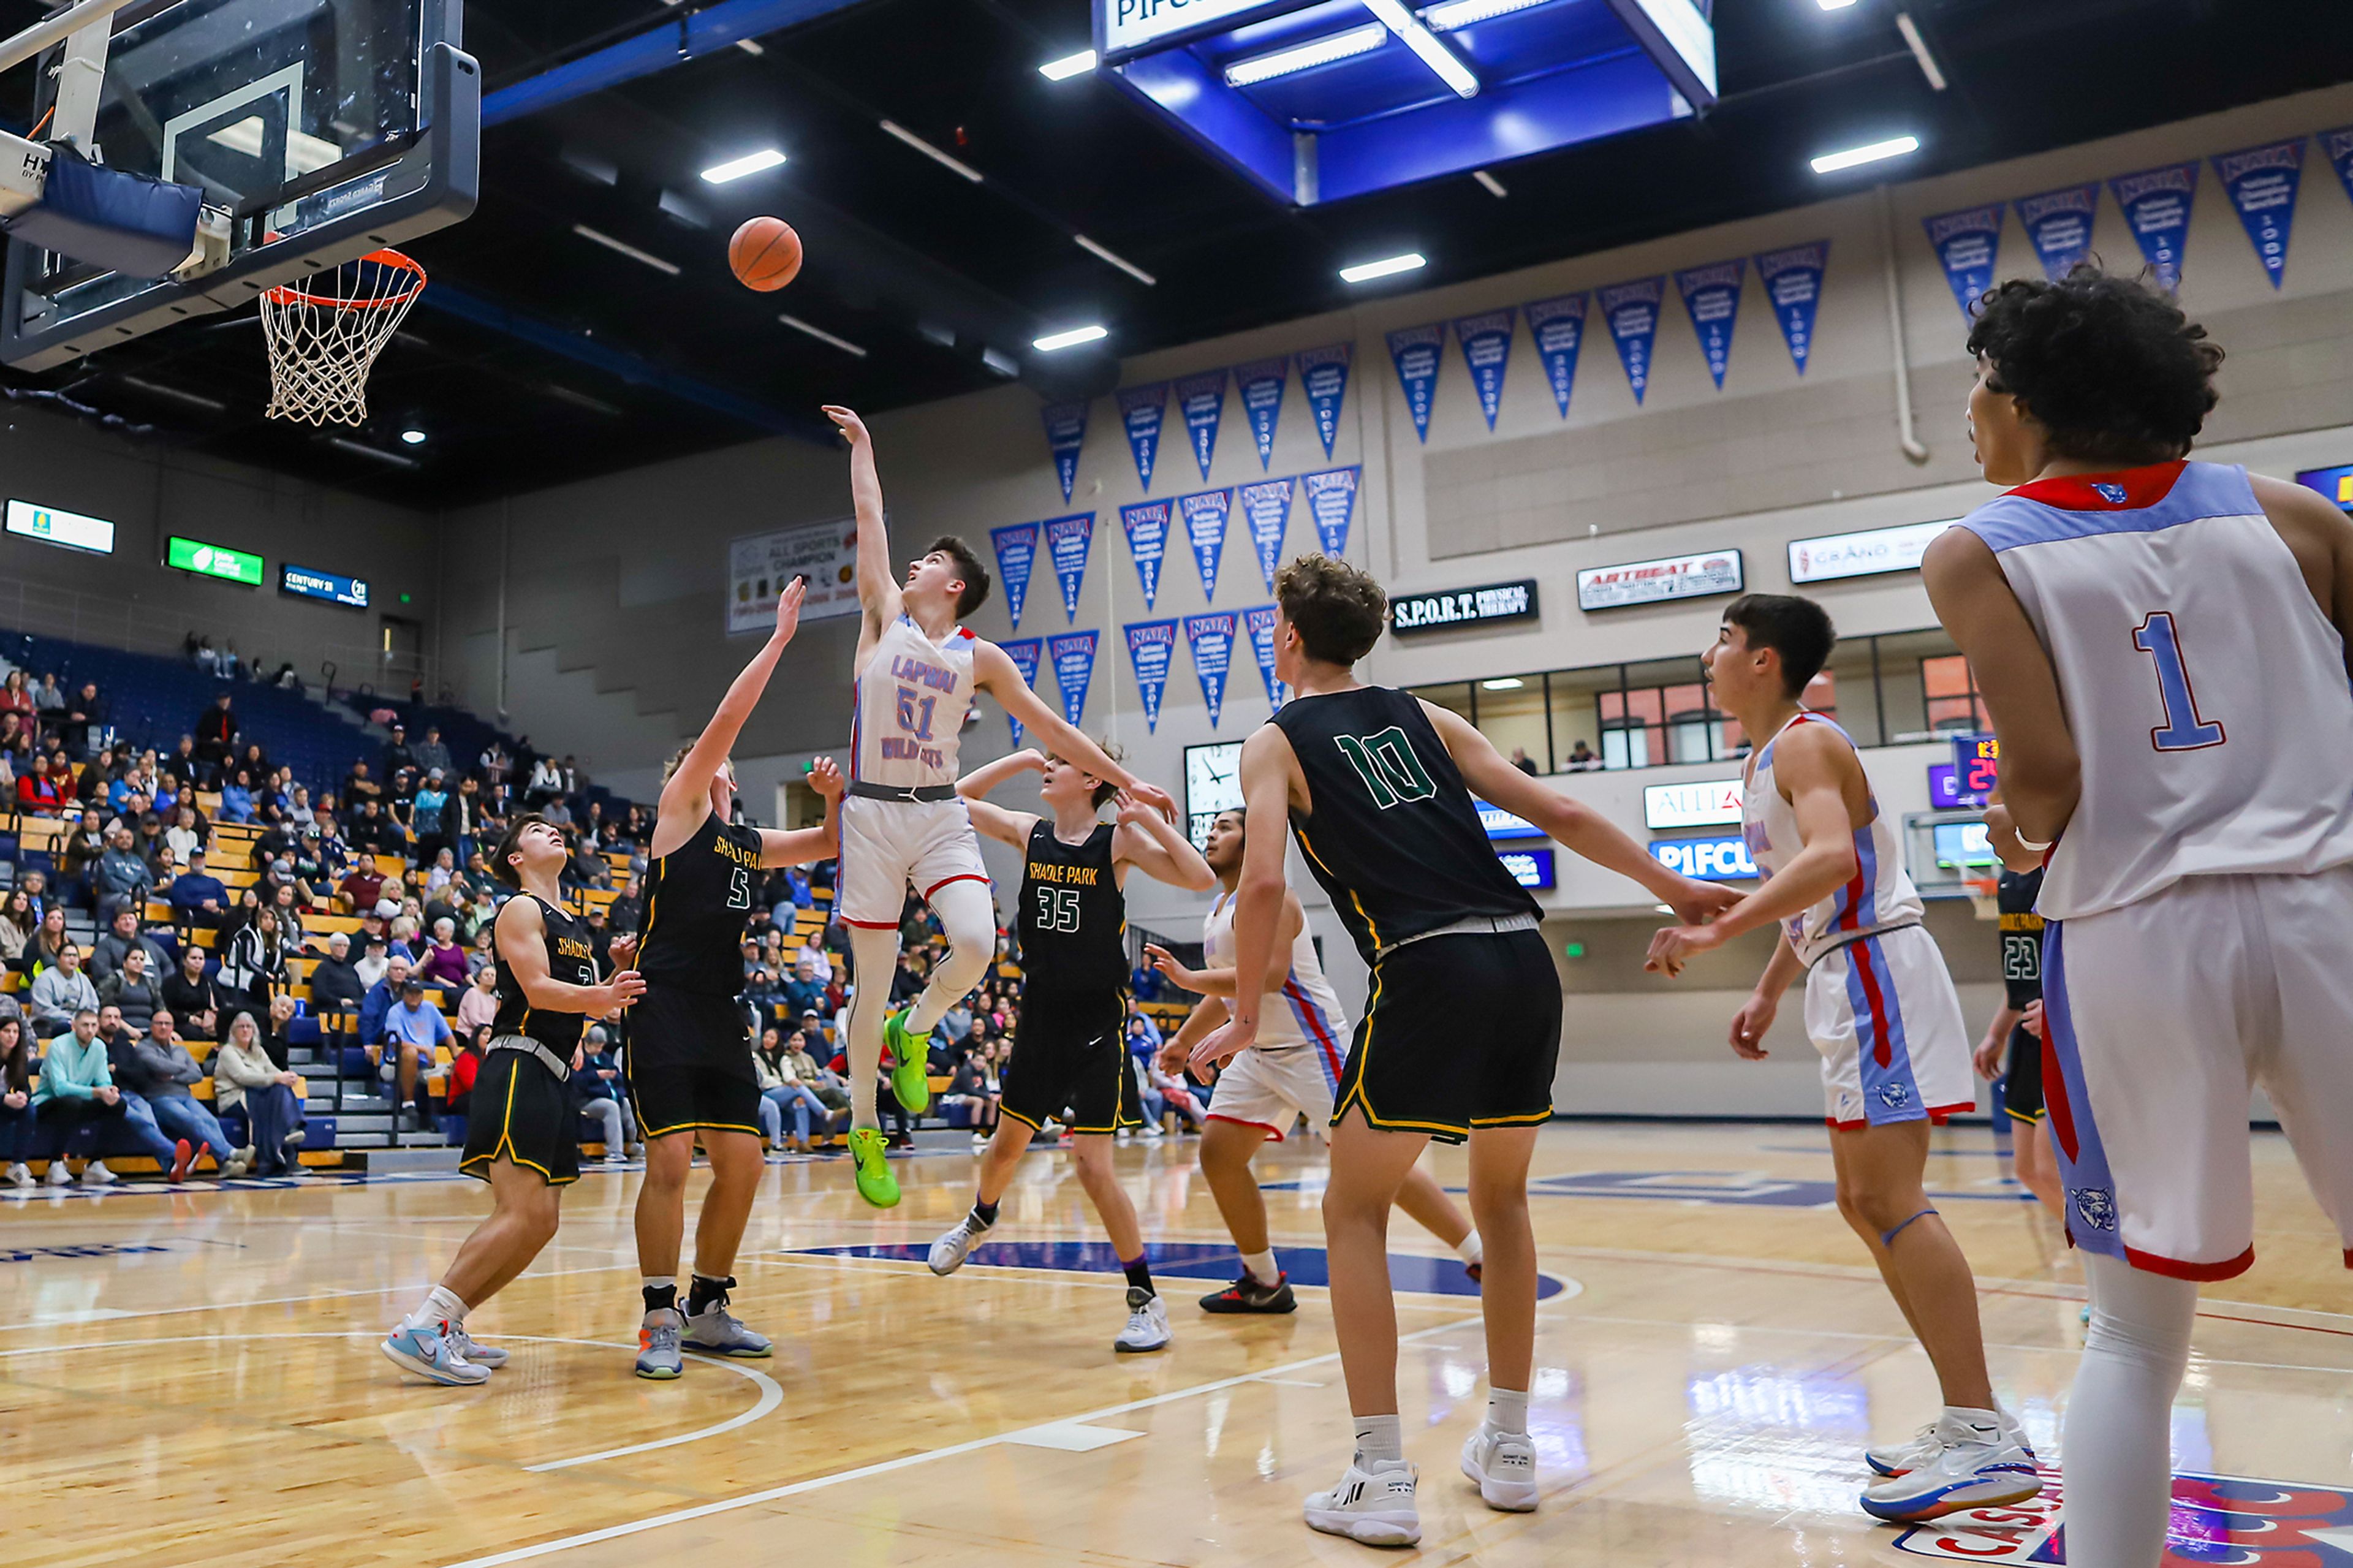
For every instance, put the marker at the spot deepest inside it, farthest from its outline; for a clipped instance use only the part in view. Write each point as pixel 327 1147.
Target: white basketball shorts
pixel 1883 1013
pixel 2160 1017
pixel 889 846
pixel 1272 1089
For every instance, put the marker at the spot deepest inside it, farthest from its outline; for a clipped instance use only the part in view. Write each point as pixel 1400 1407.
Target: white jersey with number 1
pixel 911 705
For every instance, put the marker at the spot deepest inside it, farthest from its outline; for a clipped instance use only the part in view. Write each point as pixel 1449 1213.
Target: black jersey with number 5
pixel 697 898
pixel 2021 935
pixel 1074 917
pixel 1393 836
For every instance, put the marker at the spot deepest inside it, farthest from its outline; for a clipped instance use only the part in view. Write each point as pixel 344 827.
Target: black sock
pixel 703 1291
pixel 661 1298
pixel 1139 1274
pixel 985 1212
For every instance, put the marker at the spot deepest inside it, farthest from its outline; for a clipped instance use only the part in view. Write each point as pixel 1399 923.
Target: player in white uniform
pixel 2161 645
pixel 903 824
pixel 1880 1009
pixel 1293 1070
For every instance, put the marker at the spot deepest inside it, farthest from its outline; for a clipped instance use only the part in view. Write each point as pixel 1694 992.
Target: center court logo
pixel 2215 1520
pixel 2097 1205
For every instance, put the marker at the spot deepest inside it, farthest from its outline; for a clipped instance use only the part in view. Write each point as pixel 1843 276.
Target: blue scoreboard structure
pixel 1318 100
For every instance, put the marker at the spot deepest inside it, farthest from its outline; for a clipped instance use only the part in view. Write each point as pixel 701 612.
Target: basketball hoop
pixel 1984 896
pixel 324 335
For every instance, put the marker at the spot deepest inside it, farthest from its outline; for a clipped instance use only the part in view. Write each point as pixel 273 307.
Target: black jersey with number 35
pixel 1074 917
pixel 570 959
pixel 1393 836
pixel 697 898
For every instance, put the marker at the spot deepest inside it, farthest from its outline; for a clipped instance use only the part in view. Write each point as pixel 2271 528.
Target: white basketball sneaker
pixel 1922 1447
pixel 948 1253
pixel 1988 1469
pixel 1503 1465
pixel 1148 1323
pixel 1374 1504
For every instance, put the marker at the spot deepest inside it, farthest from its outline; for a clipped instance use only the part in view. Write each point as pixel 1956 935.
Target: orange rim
pixel 286 295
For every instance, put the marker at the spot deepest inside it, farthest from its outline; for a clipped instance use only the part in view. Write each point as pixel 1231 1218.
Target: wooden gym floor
pixel 190 1376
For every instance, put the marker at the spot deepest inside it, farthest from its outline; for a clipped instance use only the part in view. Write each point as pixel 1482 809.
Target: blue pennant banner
pixel 2157 208
pixel 1793 282
pixel 1203 517
pixel 2338 147
pixel 1416 350
pixel 1067 542
pixel 1631 310
pixel 1073 656
pixel 1967 244
pixel 1324 377
pixel 1017 554
pixel 1557 325
pixel 1266 508
pixel 1211 637
pixel 1202 399
pixel 1024 654
pixel 1260 624
pixel 1261 383
pixel 2058 222
pixel 2261 182
pixel 1151 645
pixel 1331 500
pixel 1147 540
pixel 1066 432
pixel 1486 341
pixel 1712 295
pixel 1140 412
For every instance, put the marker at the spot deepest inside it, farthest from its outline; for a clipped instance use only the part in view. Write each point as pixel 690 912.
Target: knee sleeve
pixel 2118 1443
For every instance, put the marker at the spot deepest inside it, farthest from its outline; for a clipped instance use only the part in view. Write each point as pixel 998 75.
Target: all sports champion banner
pixel 1260 624
pixel 1793 282
pixel 1324 377
pixel 1631 310
pixel 1147 540
pixel 2338 146
pixel 1066 432
pixel 2261 182
pixel 1073 653
pixel 1557 325
pixel 1712 295
pixel 1150 647
pixel 1211 637
pixel 1967 244
pixel 1330 501
pixel 1140 410
pixel 1261 383
pixel 1266 509
pixel 1203 517
pixel 2157 206
pixel 1024 654
pixel 2060 224
pixel 1486 341
pixel 1017 553
pixel 1417 350
pixel 760 566
pixel 1202 399
pixel 1067 542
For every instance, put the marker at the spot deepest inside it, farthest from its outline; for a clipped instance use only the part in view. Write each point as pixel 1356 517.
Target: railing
pixel 135 627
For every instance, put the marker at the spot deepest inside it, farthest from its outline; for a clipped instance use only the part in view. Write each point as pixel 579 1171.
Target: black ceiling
pixel 903 254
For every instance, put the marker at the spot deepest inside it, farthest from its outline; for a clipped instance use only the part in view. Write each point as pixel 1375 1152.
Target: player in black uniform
pixel 1072 1048
pixel 2016 1029
pixel 1459 1036
pixel 523 1135
pixel 690 1070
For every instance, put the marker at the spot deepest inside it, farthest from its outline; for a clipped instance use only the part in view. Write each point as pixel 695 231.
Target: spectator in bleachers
pixel 37 791
pixel 184 768
pixel 464 1068
pixel 383 995
pixel 441 871
pixel 359 788
pixel 51 942
pixel 134 989
pixel 83 723
pixel 425 806
pixel 17 924
pixel 478 1005
pixel 198 898
pixel 361 888
pixel 186 833
pixel 587 869
pixel 122 880
pixel 275 839
pixel 78 856
pixel 289 899
pixel 412 1027
pixel 49 698
pixel 237 797
pixel 255 763
pixel 335 983
pixel 15 743
pixel 558 812
pixel 975 1085
pixel 17 1140
pixel 600 936
pixel 147 838
pixel 77 1103
pixel 399 757
pixel 400 935
pixel 298 806
pixel 189 995
pixel 253 963
pixel 61 991
pixel 325 843
pixel 595 1087
pixel 15 696
pixel 628 911
pixel 461 820
pixel 163 1072
pixel 442 966
pixel 546 784
pixel 432 755
pixel 373 833
pixel 246 1078
pixel 122 937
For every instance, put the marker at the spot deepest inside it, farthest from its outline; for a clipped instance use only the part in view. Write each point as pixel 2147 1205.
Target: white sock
pixel 1378 1437
pixel 440 1305
pixel 1990 1421
pixel 1508 1410
pixel 1262 1267
pixel 1469 1250
pixel 2118 1431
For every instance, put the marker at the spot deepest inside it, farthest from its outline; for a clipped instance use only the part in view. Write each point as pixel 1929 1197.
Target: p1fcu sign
pixel 1124 25
pixel 1496 602
pixel 1706 859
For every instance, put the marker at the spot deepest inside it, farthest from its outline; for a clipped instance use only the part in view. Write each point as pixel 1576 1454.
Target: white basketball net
pixel 324 335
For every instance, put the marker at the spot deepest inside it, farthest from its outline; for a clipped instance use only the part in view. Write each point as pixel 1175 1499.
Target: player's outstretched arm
pixel 2042 775
pixel 994 672
pixel 522 954
pixel 1270 769
pixel 689 790
pixel 1150 842
pixel 878 586
pixel 1219 982
pixel 800 845
pixel 1006 827
pixel 1206 1016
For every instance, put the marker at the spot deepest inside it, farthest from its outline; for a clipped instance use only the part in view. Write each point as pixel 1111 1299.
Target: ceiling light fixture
pixel 631 251
pixel 750 46
pixel 1123 263
pixel 1488 182
pixel 1323 51
pixel 362 449
pixel 1456 14
pixel 1834 4
pixel 1070 338
pixel 1919 48
pixel 892 128
pixel 1069 65
pixel 821 335
pixel 749 164
pixel 412 438
pixel 1854 157
pixel 1387 266
pixel 1503 683
pixel 1441 60
pixel 157 389
pixel 1005 365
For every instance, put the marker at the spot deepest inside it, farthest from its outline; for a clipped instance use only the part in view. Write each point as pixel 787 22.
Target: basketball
pixel 765 254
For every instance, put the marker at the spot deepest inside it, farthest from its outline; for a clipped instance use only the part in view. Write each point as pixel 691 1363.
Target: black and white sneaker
pixel 1247 1295
pixel 1374 1503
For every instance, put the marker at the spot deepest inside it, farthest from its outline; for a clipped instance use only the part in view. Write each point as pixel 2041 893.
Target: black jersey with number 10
pixel 697 898
pixel 1074 917
pixel 1394 836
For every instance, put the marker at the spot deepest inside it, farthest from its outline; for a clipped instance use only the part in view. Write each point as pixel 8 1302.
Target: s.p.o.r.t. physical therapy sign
pixel 1464 607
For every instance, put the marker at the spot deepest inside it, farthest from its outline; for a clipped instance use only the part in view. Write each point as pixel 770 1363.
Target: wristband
pixel 2031 847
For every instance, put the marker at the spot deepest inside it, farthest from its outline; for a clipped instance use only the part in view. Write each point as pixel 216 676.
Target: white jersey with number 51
pixel 910 707
pixel 2205 690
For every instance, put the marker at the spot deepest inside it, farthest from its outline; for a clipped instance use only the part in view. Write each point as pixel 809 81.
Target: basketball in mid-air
pixel 765 254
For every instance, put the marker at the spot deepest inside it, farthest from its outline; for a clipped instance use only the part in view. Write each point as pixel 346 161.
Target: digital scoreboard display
pixel 1977 768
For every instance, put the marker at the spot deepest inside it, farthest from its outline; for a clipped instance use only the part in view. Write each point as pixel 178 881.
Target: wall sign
pixel 306 584
pixel 1649 582
pixel 1501 823
pixel 1464 607
pixel 1532 868
pixel 1710 803
pixel 1944 788
pixel 2335 483
pixel 1977 767
pixel 216 561
pixel 1122 24
pixel 759 565
pixel 1863 554
pixel 1707 859
pixel 51 525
